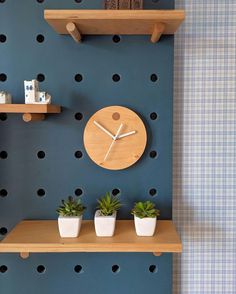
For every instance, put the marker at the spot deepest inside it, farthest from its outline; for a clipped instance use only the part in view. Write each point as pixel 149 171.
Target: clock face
pixel 115 137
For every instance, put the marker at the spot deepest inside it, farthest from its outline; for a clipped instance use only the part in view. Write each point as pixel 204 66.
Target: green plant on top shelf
pixel 71 207
pixel 108 204
pixel 145 209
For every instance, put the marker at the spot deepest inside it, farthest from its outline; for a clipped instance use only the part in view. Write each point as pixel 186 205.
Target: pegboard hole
pixel 116 38
pixel 3 193
pixel 3 231
pixel 41 154
pixel 41 269
pixel 40 77
pixel 78 269
pixel 78 1
pixel 153 269
pixel 153 116
pixel 40 1
pixel 78 154
pixel 115 269
pixel 2 1
pixel 155 1
pixel 153 154
pixel 154 78
pixel 3 38
pixel 40 38
pixel 78 116
pixel 3 269
pixel 78 78
pixel 41 192
pixel 115 192
pixel 152 192
pixel 78 192
pixel 116 78
pixel 3 77
pixel 3 116
pixel 3 154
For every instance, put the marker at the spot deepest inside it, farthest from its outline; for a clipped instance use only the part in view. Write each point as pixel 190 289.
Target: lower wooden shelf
pixel 31 112
pixel 43 236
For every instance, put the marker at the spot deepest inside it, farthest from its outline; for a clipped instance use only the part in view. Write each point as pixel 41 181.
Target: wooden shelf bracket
pixel 74 32
pixel 157 253
pixel 28 117
pixel 158 30
pixel 24 255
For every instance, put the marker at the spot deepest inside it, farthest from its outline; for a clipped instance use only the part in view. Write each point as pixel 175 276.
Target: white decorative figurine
pixel 31 90
pixel 5 98
pixel 33 95
pixel 44 97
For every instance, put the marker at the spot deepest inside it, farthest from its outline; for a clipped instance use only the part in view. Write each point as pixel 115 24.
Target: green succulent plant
pixel 145 209
pixel 108 204
pixel 71 207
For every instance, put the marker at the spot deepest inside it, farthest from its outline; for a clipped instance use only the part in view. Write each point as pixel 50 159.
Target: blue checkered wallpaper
pixel 205 148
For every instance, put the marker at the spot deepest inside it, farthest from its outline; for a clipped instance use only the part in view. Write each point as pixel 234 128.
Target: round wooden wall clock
pixel 115 137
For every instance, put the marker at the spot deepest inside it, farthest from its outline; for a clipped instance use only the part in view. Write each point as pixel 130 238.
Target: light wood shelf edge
pixel 43 237
pixel 109 22
pixel 31 112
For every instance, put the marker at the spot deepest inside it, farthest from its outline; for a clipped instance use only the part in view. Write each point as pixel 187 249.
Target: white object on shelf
pixel 33 95
pixel 43 98
pixel 5 98
pixel 69 226
pixel 145 227
pixel 104 225
pixel 31 90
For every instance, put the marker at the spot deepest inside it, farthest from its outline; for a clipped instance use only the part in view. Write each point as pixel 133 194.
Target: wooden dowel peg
pixel 157 253
pixel 157 32
pixel 27 117
pixel 24 255
pixel 73 31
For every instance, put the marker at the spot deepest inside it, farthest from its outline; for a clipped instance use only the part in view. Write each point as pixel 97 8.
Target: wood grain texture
pixel 43 236
pixel 125 151
pixel 109 22
pixel 30 108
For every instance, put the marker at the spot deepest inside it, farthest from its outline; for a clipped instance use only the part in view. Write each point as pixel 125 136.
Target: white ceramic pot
pixel 104 225
pixel 69 226
pixel 145 227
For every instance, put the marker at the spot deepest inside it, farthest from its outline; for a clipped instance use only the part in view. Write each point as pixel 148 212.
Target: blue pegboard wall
pixel 32 187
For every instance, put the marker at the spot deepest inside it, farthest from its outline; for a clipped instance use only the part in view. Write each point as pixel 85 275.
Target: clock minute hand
pixel 126 134
pixel 103 129
pixel 114 139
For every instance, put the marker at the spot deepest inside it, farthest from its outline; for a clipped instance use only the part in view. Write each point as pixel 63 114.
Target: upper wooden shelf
pixel 43 236
pixel 31 112
pixel 115 22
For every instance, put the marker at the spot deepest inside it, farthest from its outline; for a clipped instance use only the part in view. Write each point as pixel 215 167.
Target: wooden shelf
pixel 115 22
pixel 31 112
pixel 43 236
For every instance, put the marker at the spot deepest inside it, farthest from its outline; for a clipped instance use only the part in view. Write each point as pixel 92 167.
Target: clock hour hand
pixel 103 129
pixel 126 134
pixel 114 139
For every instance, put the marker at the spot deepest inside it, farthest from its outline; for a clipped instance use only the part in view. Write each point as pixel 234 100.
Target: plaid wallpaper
pixel 204 148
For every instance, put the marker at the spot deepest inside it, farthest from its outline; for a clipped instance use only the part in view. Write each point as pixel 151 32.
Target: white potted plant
pixel 145 218
pixel 105 216
pixel 70 217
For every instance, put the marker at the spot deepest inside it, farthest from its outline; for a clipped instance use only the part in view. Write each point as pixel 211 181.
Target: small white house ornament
pixel 44 97
pixel 5 98
pixel 33 95
pixel 31 90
